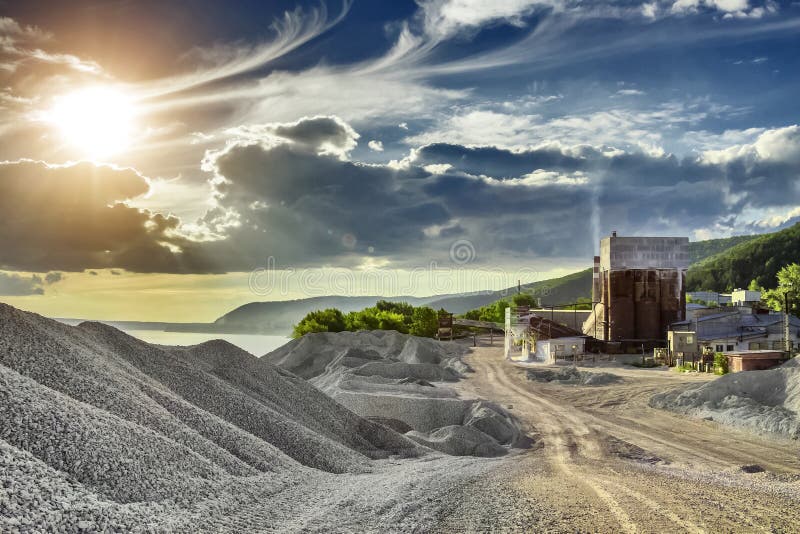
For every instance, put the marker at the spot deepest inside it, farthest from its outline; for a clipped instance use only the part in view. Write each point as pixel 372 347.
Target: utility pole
pixel 787 340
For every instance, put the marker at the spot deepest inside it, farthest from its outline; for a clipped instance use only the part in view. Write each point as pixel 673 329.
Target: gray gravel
pixel 572 376
pixel 402 378
pixel 100 431
pixel 761 401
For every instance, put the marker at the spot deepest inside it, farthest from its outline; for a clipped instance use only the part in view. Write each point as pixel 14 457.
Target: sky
pixel 171 160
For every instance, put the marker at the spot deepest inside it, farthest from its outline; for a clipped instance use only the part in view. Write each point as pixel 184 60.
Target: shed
pixel 548 350
pixel 754 360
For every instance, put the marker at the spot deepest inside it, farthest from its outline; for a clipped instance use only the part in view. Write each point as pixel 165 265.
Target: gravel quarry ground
pixel 101 432
pixel 609 462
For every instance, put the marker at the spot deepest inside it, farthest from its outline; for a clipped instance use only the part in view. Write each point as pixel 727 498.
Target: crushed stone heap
pixel 401 381
pixel 98 428
pixel 760 401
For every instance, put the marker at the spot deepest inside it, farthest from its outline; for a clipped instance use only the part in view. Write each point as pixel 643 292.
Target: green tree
pixel 524 299
pixel 474 315
pixel 424 322
pixel 494 312
pixel 403 308
pixel 388 320
pixel 329 320
pixel 788 286
pixel 361 320
pixel 375 319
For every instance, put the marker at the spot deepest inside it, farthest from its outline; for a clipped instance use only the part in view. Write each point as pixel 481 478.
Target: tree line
pixel 420 321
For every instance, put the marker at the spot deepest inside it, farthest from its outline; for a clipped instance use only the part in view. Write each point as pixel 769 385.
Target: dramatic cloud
pixel 73 217
pixel 527 141
pixel 328 135
pixel 21 44
pixel 643 128
pixel 443 18
pixel 302 207
pixel 731 8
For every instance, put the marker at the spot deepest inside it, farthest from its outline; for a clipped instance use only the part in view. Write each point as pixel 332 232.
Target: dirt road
pixel 607 462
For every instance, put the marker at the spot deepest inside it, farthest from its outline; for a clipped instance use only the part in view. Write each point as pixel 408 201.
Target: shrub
pixel 330 320
pixel 424 322
pixel 720 364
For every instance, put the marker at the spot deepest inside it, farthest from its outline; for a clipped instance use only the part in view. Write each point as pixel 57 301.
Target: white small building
pixel 547 350
pixel 745 297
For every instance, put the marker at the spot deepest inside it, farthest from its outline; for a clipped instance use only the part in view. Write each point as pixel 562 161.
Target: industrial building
pixel 638 287
pixel 741 328
pixel 532 337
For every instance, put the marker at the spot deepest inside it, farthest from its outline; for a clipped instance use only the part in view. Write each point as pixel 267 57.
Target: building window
pixel 719 348
pixel 689 339
pixel 729 348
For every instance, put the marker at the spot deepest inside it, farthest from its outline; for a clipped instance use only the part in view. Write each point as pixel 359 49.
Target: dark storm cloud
pixel 289 200
pixel 497 162
pixel 298 206
pixel 72 217
pixel 621 166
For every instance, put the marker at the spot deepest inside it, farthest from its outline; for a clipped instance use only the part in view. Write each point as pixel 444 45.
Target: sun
pixel 96 121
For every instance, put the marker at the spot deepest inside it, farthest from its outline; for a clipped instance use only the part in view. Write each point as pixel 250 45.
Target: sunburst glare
pixel 96 121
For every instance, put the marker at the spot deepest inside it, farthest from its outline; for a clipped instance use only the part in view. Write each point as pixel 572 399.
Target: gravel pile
pixel 100 432
pixel 459 441
pixel 93 411
pixel 762 401
pixel 310 355
pixel 572 376
pixel 401 379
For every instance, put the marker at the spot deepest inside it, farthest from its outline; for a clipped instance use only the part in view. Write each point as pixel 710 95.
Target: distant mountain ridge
pixel 281 316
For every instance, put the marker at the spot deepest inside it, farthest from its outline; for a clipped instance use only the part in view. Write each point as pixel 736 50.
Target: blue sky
pixel 377 135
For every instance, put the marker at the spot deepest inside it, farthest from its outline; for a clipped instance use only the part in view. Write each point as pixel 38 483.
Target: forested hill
pixel 759 259
pixel 700 250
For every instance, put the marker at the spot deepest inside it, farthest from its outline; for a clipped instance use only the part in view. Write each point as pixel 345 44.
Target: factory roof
pixel 748 326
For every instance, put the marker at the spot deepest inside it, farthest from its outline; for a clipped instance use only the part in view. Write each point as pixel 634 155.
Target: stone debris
pixel 385 375
pixel 572 376
pixel 760 401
